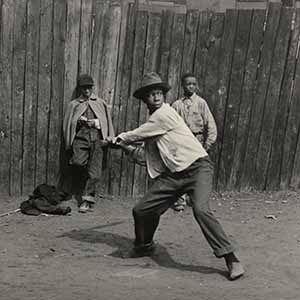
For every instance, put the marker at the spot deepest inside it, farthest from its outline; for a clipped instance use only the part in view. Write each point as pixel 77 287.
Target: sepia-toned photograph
pixel 149 149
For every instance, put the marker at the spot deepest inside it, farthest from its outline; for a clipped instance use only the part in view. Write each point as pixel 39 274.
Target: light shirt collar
pixel 92 97
pixel 189 98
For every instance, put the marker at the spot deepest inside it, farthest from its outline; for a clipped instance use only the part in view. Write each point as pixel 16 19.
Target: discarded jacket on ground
pixel 45 199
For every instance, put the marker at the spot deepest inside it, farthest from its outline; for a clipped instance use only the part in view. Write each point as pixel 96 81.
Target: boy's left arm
pixel 211 128
pixel 154 127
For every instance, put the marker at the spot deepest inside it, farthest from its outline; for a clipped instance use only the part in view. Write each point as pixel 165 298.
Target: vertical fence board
pixel 31 90
pixel 134 105
pixel 209 60
pixel 273 175
pixel 116 155
pixel 85 42
pixel 221 92
pixel 272 99
pixel 44 90
pixel 125 92
pixel 57 90
pixel 293 122
pixel 260 94
pixel 108 70
pixel 150 65
pixel 201 51
pixel 165 43
pixel 234 96
pixel 71 50
pixel 190 41
pixel 6 54
pixel 295 178
pixel 212 43
pixel 252 59
pixel 18 97
pixel 108 67
pixel 100 10
pixel 176 51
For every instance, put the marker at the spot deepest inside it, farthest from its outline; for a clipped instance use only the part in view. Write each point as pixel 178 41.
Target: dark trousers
pixel 86 162
pixel 196 181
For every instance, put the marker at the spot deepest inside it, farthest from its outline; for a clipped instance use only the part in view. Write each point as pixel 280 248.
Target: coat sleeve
pixel 110 126
pixel 67 125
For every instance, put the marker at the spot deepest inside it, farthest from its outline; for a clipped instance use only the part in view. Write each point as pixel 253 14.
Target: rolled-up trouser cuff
pixel 225 250
pixel 89 199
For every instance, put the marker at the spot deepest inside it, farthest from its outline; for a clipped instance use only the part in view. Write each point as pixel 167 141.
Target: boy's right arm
pixel 135 152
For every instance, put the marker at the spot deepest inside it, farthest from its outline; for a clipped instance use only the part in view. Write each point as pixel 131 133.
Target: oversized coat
pixel 76 108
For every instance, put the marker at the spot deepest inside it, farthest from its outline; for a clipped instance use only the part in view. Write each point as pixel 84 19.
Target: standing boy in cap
pixel 87 123
pixel 179 164
pixel 196 114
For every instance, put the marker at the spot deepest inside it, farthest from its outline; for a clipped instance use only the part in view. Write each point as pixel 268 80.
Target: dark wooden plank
pixel 152 51
pixel 125 92
pixel 221 92
pixel 133 105
pixel 234 97
pixel 165 43
pixel 293 121
pixel 57 91
pixel 211 44
pixel 108 70
pixel 208 61
pixel 109 57
pixel 100 9
pixel 150 65
pixel 277 152
pixel 71 50
pixel 6 55
pixel 268 130
pixel 202 46
pixel 30 99
pixel 249 84
pixel 190 41
pixel 175 59
pixel 44 90
pixel 263 75
pixel 85 42
pixel 295 178
pixel 116 155
pixel 18 98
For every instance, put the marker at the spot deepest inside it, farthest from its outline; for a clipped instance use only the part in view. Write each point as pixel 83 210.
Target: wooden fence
pixel 246 62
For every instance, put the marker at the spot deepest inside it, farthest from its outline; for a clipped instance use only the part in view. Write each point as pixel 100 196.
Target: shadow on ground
pixel 124 244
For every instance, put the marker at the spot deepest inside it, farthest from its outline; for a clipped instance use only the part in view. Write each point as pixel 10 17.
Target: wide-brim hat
pixel 150 82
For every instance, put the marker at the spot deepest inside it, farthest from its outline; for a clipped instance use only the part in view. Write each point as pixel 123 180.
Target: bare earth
pixel 80 256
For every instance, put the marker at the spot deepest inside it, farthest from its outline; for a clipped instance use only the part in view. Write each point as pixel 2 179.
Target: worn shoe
pixel 236 270
pixel 178 207
pixel 84 207
pixel 180 204
pixel 141 251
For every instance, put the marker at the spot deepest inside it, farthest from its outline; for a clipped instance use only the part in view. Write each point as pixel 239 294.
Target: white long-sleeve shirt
pixel 169 143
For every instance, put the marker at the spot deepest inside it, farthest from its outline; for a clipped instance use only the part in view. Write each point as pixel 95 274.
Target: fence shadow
pixel 124 244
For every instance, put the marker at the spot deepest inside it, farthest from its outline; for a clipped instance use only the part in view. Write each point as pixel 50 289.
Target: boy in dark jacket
pixel 87 123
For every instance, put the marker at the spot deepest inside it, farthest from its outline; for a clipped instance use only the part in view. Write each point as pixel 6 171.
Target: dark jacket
pixel 45 199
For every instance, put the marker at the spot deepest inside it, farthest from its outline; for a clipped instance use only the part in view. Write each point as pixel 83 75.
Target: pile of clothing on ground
pixel 45 199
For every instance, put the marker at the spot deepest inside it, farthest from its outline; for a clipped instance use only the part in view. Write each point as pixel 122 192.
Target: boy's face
pixel 189 86
pixel 86 91
pixel 154 100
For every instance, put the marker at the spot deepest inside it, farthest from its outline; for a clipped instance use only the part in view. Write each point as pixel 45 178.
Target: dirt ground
pixel 80 256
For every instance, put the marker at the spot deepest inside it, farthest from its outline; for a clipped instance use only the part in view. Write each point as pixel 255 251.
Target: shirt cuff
pixel 97 123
